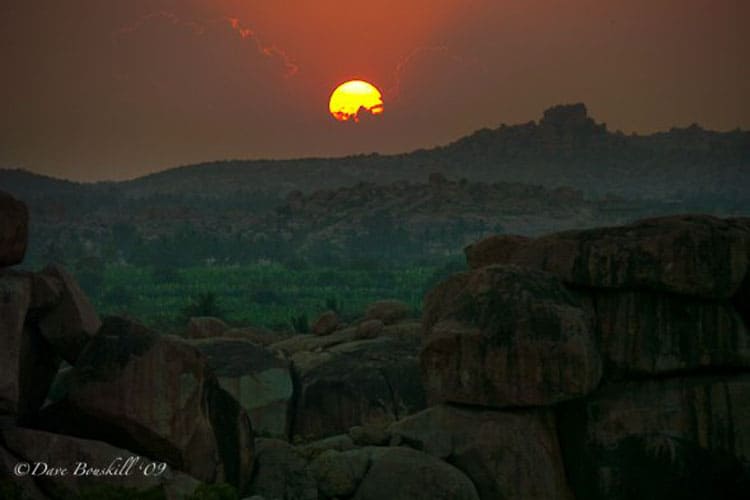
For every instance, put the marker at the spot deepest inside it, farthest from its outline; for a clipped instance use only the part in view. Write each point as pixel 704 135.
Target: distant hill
pixel 566 148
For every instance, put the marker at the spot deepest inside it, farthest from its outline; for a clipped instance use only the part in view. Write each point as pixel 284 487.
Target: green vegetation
pixel 263 294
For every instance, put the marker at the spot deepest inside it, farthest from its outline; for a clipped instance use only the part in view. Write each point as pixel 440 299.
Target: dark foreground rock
pixel 506 455
pixel 281 472
pixel 257 378
pixel 156 395
pixel 79 455
pixel 72 321
pixel 646 333
pixel 405 474
pixel 28 363
pixel 676 438
pixel 506 336
pixel 696 255
pixel 364 382
pixel 14 230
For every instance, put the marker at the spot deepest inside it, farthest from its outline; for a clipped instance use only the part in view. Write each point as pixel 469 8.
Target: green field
pixel 260 294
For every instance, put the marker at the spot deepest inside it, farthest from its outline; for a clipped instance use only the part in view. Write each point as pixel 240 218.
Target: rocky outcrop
pixel 282 472
pixel 257 378
pixel 72 322
pixel 45 450
pixel 14 230
pixel 685 437
pixel 667 302
pixel 28 363
pixel 700 256
pixel 157 395
pixel 405 474
pixel 506 455
pixel 363 382
pixel 646 333
pixel 505 336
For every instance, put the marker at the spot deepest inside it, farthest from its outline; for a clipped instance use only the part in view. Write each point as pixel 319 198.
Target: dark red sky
pixel 96 89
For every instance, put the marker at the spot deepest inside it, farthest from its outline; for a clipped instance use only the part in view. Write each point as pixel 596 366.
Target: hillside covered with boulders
pixel 607 363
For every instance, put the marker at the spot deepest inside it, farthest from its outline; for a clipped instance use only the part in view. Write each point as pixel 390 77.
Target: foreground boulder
pixel 14 230
pixel 156 395
pixel 281 472
pixel 506 455
pixel 674 438
pixel 506 336
pixel 259 380
pixel 56 450
pixel 405 474
pixel 28 364
pixel 646 333
pixel 357 383
pixel 73 321
pixel 696 255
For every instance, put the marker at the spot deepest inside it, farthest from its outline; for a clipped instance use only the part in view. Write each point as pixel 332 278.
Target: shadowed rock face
pixel 363 382
pixel 158 393
pixel 675 438
pixel 698 255
pixel 72 322
pixel 506 455
pixel 258 379
pixel 646 333
pixel 14 230
pixel 404 474
pixel 504 336
pixel 281 472
pixel 27 362
pixel 38 446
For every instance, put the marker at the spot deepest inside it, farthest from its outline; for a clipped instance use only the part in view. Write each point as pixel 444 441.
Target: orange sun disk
pixel 351 97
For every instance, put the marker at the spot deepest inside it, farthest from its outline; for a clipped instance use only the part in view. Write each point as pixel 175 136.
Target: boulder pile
pixel 121 391
pixel 611 363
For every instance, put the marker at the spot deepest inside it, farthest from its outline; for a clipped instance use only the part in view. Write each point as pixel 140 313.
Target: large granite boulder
pixel 338 473
pixel 505 336
pixel 28 364
pixel 281 472
pixel 506 455
pixel 675 438
pixel 405 474
pixel 695 255
pixel 364 382
pixel 646 333
pixel 156 395
pixel 73 321
pixel 257 378
pixel 47 451
pixel 14 230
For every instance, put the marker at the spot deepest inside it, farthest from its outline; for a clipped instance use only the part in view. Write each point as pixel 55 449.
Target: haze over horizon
pixel 116 90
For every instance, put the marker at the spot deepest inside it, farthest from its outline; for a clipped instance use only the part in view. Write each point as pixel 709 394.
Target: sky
pixel 110 90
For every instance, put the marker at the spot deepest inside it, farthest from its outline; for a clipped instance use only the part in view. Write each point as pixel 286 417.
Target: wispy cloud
pixel 200 28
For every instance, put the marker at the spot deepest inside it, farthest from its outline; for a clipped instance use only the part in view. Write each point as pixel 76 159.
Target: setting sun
pixel 350 98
